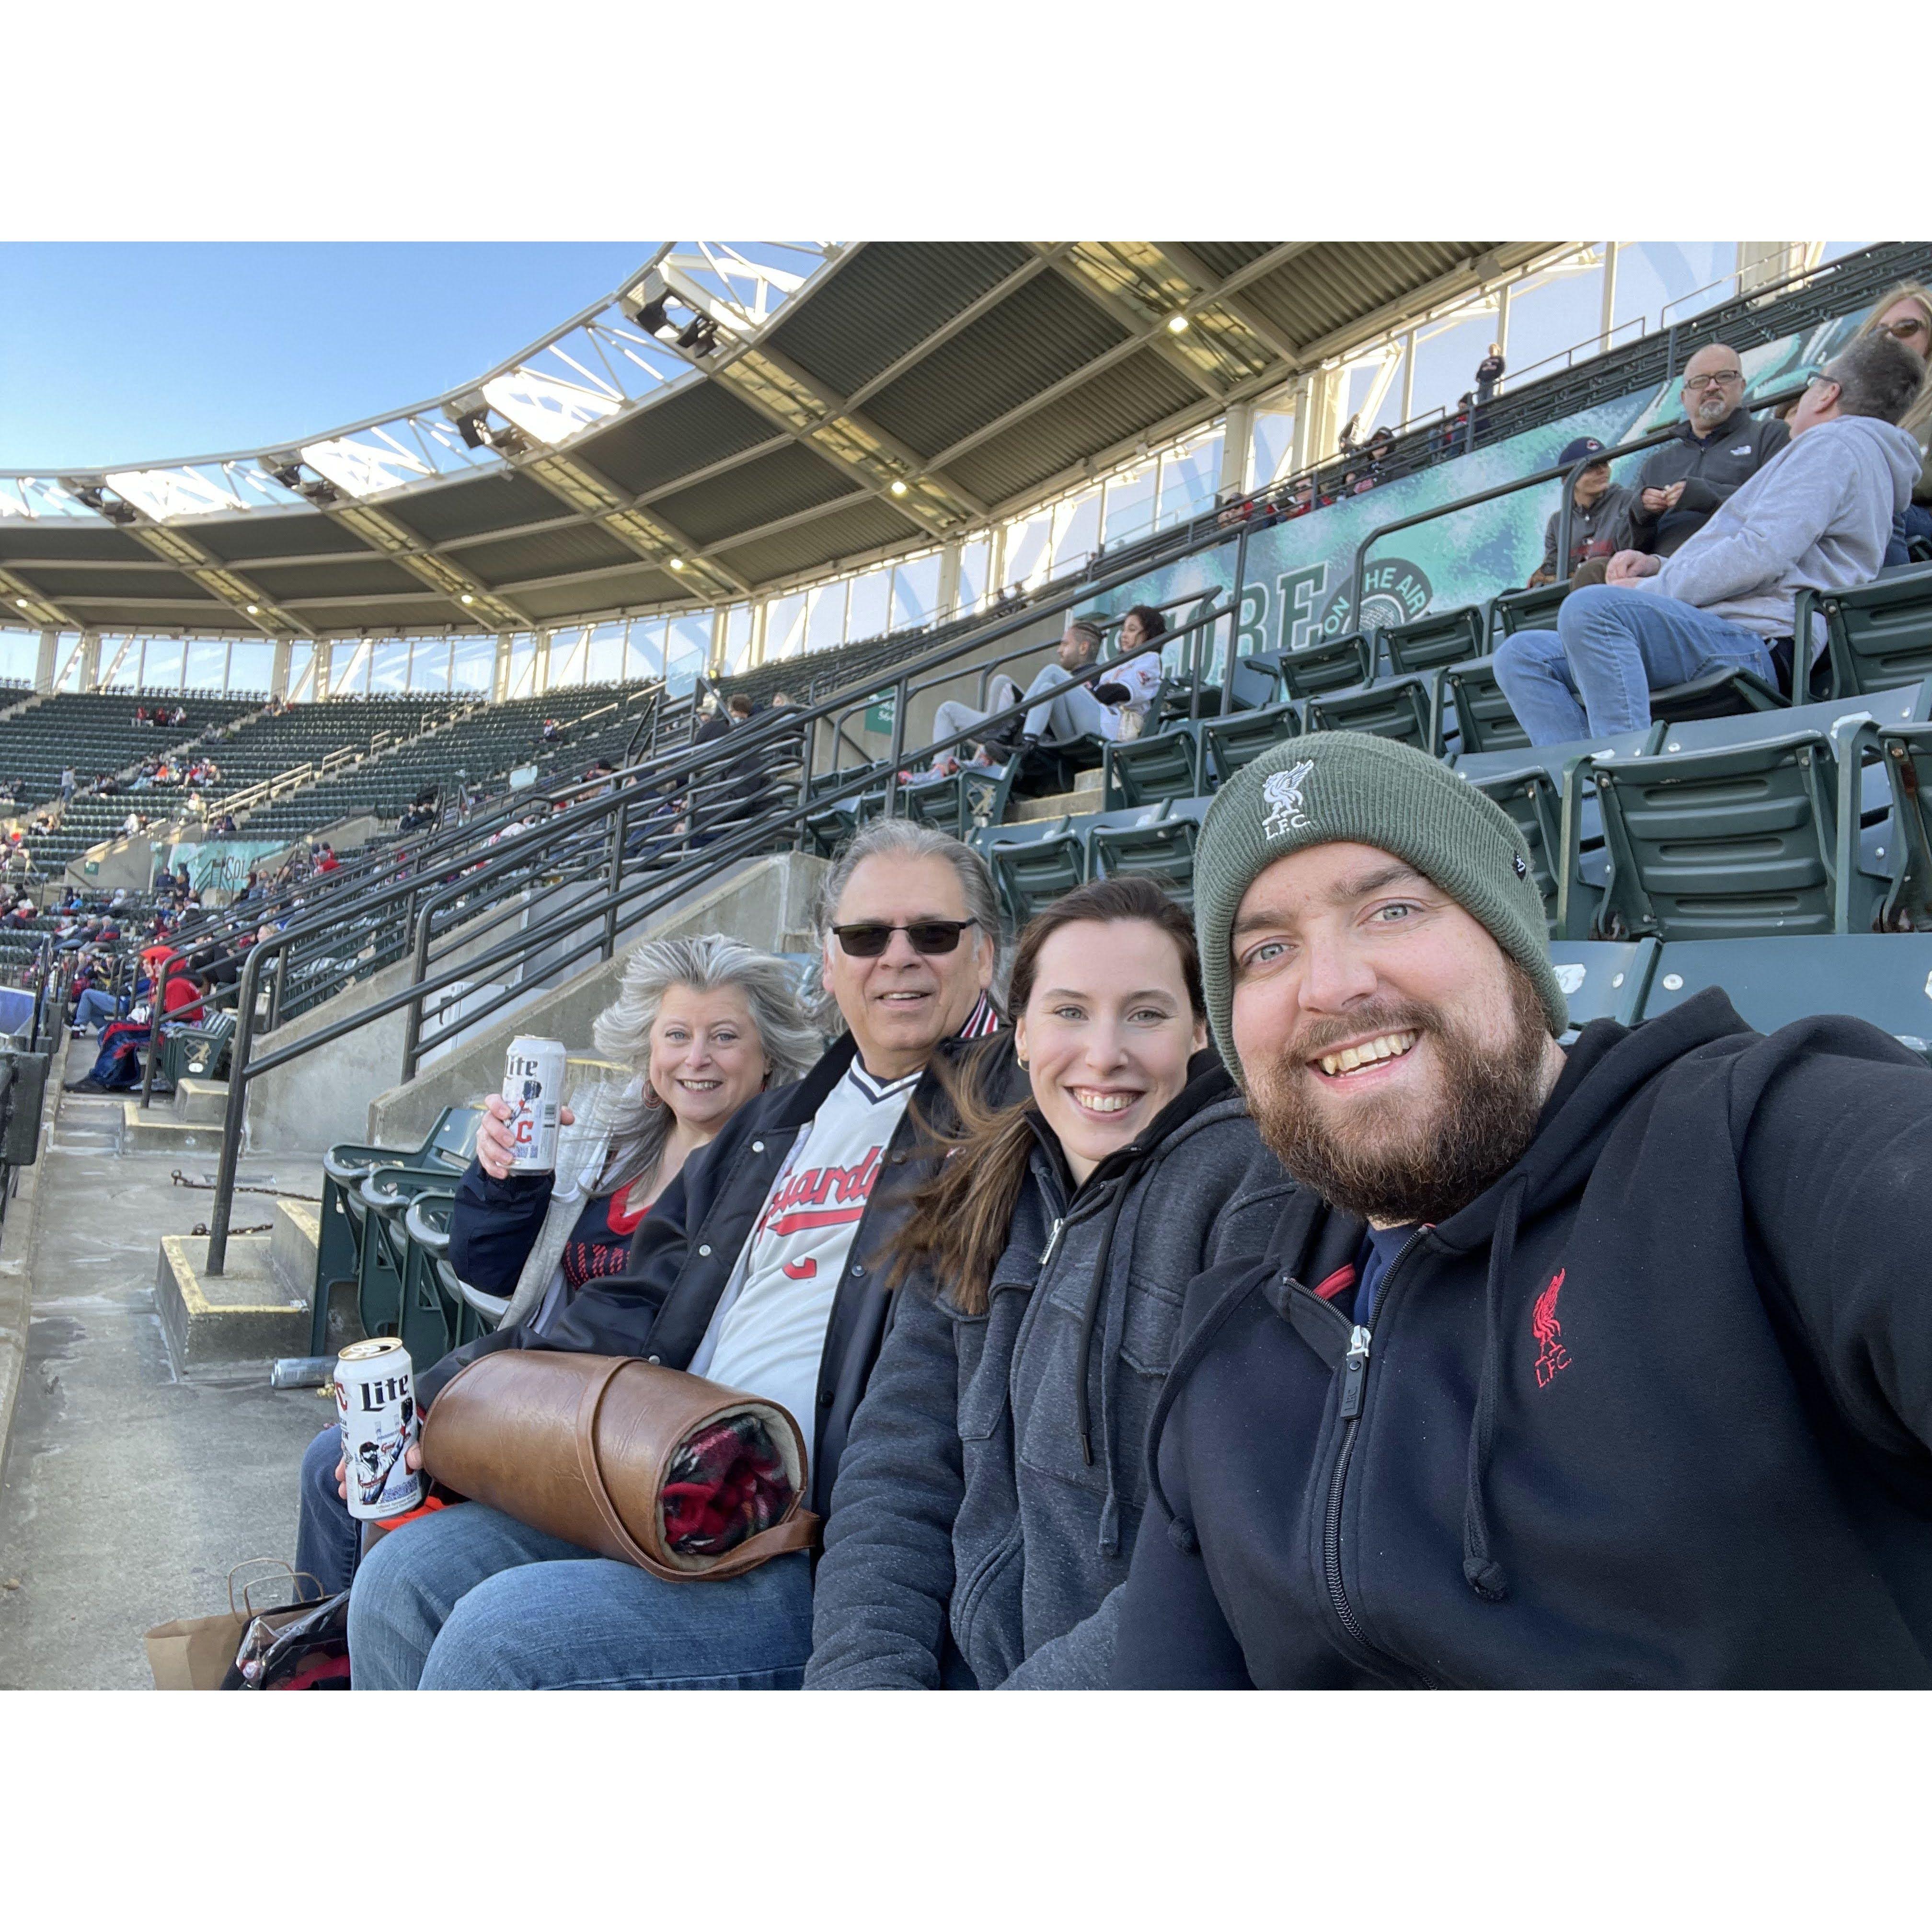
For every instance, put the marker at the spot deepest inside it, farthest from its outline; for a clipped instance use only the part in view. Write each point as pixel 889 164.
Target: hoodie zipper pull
pixel 1355 1373
pixel 1052 1245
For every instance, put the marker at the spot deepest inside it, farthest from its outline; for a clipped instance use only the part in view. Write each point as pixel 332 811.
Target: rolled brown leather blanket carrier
pixel 642 1464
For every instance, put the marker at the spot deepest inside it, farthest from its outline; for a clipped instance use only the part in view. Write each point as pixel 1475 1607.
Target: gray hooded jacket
pixel 968 1498
pixel 1817 516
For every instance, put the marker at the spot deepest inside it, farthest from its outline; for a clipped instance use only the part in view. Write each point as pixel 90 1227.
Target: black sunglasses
pixel 926 936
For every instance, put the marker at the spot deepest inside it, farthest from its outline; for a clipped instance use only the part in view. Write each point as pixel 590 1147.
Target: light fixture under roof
pixel 254 610
pixel 677 563
pixel 467 598
pixel 1177 325
pixel 898 486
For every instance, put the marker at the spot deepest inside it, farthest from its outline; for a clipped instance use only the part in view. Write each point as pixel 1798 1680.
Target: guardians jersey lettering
pixel 768 1332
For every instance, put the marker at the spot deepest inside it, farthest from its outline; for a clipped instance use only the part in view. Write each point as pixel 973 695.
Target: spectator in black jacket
pixel 760 1267
pixel 1489 373
pixel 708 1022
pixel 1719 444
pixel 1597 509
pixel 1606 1366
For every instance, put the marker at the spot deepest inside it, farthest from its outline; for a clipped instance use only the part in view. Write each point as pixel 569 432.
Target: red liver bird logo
pixel 1551 1355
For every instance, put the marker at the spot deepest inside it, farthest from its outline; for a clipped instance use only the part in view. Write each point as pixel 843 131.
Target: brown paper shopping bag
pixel 195 1653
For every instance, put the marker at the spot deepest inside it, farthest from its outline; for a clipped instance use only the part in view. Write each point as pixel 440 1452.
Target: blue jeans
pixel 95 1007
pixel 328 1538
pixel 1591 677
pixel 470 1600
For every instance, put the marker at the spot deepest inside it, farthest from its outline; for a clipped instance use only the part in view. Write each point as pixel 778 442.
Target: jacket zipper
pixel 1052 1246
pixel 1354 1394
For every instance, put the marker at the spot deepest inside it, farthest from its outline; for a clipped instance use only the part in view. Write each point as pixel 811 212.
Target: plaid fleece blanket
pixel 727 1483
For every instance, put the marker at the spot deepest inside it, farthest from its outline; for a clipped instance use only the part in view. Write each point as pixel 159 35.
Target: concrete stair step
pixel 201 1102
pixel 157 1131
pixel 245 1314
pixel 1084 797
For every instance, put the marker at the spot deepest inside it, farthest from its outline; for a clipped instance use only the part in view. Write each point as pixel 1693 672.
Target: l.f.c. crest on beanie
pixel 1346 786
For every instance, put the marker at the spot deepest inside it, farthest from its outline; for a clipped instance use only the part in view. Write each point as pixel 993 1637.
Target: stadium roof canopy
pixel 735 419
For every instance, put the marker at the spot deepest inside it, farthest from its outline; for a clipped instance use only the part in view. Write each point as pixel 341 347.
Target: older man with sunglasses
pixel 761 1267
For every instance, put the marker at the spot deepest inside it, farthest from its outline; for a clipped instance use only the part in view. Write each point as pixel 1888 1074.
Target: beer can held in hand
pixel 533 1086
pixel 375 1396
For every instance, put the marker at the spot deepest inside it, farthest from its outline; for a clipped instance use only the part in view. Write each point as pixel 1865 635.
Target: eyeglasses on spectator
pixel 1695 385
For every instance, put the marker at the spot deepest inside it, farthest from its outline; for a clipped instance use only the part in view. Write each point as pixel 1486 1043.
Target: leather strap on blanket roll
pixel 581 1446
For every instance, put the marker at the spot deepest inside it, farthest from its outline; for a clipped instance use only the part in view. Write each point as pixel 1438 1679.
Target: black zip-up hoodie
pixel 1653 1410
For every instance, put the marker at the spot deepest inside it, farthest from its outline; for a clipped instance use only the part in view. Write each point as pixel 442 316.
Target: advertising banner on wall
pixel 1296 582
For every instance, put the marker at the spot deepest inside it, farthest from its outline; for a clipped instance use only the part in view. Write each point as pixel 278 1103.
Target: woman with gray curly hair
pixel 706 1022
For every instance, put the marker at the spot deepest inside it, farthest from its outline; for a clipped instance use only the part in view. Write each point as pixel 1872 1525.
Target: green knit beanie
pixel 1347 786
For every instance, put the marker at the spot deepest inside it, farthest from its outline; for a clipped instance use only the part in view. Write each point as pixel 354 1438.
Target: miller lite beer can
pixel 375 1396
pixel 533 1085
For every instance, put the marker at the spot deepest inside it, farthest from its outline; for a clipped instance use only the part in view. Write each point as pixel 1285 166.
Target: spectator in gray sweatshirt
pixel 989 1493
pixel 1817 516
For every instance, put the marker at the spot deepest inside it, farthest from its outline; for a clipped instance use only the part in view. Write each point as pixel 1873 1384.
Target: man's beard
pixel 1393 1162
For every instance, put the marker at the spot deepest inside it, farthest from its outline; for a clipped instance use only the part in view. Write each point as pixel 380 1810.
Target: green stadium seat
pixel 1884 978
pixel 1754 838
pixel 1879 634
pixel 1144 770
pixel 1159 842
pixel 1529 609
pixel 1330 663
pixel 1033 864
pixel 1432 643
pixel 1228 743
pixel 1603 978
pixel 1905 751
pixel 1406 709
pixel 1484 721
pixel 338 1258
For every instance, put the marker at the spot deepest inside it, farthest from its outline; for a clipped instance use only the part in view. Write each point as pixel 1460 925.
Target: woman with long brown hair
pixel 1905 314
pixel 989 1493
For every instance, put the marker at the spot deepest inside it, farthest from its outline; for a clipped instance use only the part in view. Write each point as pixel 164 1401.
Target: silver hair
pixel 903 838
pixel 706 963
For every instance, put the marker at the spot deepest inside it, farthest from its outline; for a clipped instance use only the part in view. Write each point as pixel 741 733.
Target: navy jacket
pixel 684 1251
pixel 1652 1410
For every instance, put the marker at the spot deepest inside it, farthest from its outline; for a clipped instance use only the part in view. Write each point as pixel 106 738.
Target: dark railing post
pixel 161 979
pixel 614 874
pixel 898 745
pixel 236 1112
pixel 1234 619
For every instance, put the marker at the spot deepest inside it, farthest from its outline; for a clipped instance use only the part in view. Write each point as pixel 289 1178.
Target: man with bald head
pixel 1718 445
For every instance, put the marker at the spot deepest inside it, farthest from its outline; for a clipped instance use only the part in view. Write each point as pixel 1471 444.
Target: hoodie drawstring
pixel 1483 1574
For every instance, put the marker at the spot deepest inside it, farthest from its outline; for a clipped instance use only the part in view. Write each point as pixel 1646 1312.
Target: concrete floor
pixel 128 1492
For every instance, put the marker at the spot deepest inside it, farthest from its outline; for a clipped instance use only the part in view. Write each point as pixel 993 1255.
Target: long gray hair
pixel 706 964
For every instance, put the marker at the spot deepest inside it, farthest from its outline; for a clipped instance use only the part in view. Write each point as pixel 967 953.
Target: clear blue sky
pixel 117 353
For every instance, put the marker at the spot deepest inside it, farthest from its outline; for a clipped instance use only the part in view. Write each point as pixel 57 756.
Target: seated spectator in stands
pixel 738 708
pixel 782 701
pixel 180 716
pixel 1608 1367
pixel 1067 712
pixel 1905 314
pixel 713 723
pixel 1301 497
pixel 1818 515
pixel 1042 1257
pixel 140 714
pixel 707 1023
pixel 325 860
pixel 792 1310
pixel 1380 444
pixel 954 714
pixel 1597 507
pixel 1489 373
pixel 1135 689
pixel 1719 445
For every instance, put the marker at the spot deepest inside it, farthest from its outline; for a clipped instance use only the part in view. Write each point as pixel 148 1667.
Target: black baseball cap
pixel 1577 449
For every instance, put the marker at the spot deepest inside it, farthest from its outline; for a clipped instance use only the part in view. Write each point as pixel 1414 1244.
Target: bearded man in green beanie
pixel 1603 1365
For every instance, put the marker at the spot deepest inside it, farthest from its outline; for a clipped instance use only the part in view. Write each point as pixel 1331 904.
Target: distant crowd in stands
pixel 173 716
pixel 1694 569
